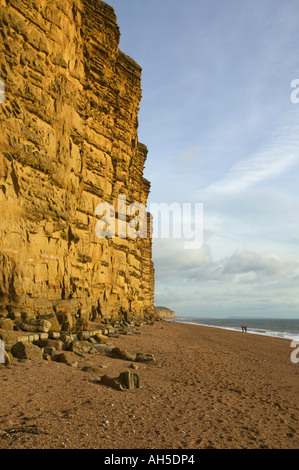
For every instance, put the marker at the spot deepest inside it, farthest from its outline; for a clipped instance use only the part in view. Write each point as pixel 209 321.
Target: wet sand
pixel 210 389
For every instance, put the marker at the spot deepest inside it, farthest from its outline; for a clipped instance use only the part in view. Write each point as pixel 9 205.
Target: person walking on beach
pixel 242 328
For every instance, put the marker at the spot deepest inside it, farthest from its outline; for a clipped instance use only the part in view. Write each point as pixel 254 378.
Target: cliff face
pixel 68 142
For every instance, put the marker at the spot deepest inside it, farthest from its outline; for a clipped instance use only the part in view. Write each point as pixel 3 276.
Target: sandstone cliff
pixel 69 141
pixel 164 312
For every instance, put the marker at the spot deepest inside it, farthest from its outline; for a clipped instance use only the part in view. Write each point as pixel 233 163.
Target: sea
pixel 274 327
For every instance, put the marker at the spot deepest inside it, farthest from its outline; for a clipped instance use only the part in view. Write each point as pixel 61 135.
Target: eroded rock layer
pixel 69 141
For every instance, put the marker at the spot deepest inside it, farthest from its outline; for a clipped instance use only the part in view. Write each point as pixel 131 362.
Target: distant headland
pixel 164 312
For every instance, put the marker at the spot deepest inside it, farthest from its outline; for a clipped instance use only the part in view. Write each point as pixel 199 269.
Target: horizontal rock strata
pixel 68 142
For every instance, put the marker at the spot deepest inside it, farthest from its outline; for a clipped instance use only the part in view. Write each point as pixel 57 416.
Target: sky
pixel 220 117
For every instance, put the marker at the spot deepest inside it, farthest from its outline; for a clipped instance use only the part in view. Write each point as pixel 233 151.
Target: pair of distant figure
pixel 244 329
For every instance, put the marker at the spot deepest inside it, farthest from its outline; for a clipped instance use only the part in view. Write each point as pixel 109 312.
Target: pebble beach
pixel 209 389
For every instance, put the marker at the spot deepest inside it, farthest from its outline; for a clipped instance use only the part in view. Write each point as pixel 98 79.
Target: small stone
pixel 43 335
pixel 24 339
pixel 91 369
pixel 113 383
pixel 129 380
pixel 122 354
pixel 66 338
pixel 5 434
pixel 103 347
pixel 81 347
pixel 52 344
pixel 54 335
pixel 8 358
pixel 146 358
pixel 83 335
pixel 126 380
pixel 102 339
pixel 67 357
pixel 50 351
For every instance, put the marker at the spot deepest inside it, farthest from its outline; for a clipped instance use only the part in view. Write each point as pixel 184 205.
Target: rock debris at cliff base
pixel 210 388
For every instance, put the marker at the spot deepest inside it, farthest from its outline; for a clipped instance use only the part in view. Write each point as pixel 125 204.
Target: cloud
pixel 277 156
pixel 251 263
pixel 172 263
pixel 247 267
pixel 246 282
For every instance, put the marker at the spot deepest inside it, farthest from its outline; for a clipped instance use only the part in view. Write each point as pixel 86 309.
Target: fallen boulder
pixel 35 325
pixel 65 319
pixel 55 326
pixel 91 369
pixel 27 350
pixel 6 324
pixel 118 353
pixel 10 339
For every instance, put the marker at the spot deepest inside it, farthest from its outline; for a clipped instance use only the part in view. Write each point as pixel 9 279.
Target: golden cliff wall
pixel 68 141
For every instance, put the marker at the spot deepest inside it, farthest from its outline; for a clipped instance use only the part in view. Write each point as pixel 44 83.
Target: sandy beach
pixel 210 389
